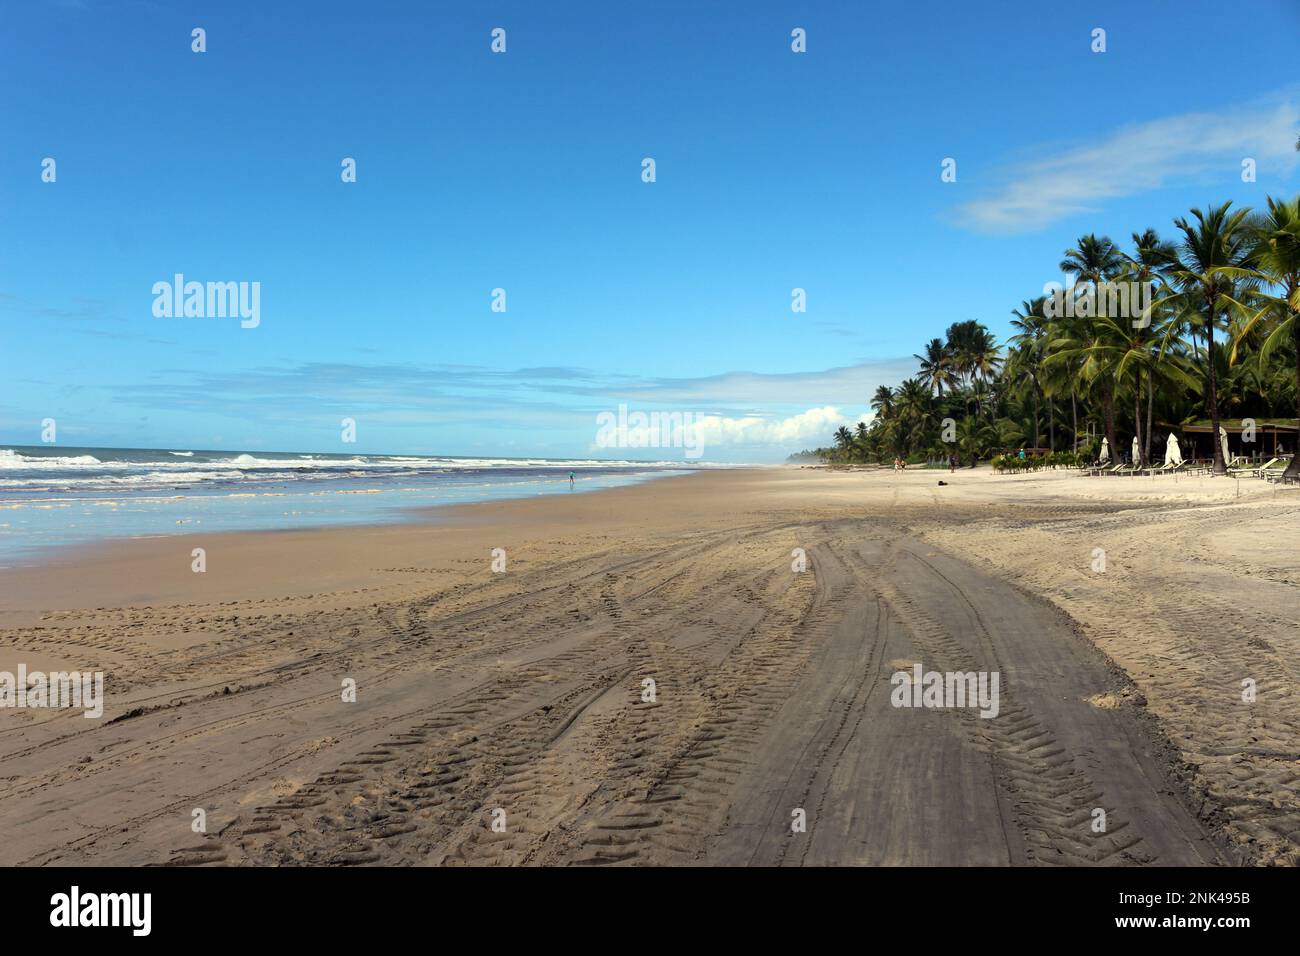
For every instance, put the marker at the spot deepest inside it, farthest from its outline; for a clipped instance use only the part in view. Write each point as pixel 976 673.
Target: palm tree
pixel 1146 266
pixel 1116 350
pixel 882 403
pixel 961 346
pixel 974 355
pixel 1210 269
pixel 974 350
pixel 1228 271
pixel 984 355
pixel 936 371
pixel 1009 433
pixel 1275 253
pixel 843 442
pixel 1062 377
pixel 1092 261
pixel 861 441
pixel 912 408
pixel 1031 341
pixel 974 438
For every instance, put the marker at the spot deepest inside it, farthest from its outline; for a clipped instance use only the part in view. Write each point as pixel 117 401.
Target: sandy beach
pixel 650 680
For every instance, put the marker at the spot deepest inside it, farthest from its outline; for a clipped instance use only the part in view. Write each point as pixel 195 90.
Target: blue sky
pixel 522 171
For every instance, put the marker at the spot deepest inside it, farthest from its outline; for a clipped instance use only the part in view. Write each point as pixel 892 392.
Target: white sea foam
pixel 10 459
pixel 141 471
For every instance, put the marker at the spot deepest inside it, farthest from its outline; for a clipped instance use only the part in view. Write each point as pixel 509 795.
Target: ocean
pixel 53 496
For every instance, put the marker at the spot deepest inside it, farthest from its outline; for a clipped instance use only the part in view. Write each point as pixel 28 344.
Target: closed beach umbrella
pixel 1135 449
pixel 1223 440
pixel 1173 454
pixel 1105 450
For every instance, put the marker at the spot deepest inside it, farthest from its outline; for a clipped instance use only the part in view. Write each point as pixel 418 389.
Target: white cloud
pixel 1179 149
pixel 816 425
pixel 718 437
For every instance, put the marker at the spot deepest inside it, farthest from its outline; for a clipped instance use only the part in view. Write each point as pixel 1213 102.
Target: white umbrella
pixel 1223 440
pixel 1105 450
pixel 1173 454
pixel 1134 459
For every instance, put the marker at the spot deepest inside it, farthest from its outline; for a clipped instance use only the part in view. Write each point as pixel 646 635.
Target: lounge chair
pixel 1168 468
pixel 1256 472
pixel 1123 469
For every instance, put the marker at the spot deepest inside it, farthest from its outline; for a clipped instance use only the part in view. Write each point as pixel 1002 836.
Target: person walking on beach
pixel 571 476
pixel 952 464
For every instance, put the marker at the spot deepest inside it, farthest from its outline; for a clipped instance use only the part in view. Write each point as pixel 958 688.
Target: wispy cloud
pixel 842 385
pixel 1191 148
pixel 417 388
pixel 747 409
pixel 79 309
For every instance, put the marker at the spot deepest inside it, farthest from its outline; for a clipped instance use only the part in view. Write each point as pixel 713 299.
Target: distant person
pixel 952 464
pixel 571 477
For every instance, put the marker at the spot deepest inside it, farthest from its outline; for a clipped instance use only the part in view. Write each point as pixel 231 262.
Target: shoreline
pixel 308 501
pixel 45 583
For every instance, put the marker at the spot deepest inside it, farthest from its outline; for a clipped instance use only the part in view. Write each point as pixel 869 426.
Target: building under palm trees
pixel 1274 438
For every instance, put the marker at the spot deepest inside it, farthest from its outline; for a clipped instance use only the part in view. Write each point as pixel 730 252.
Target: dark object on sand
pixel 943 482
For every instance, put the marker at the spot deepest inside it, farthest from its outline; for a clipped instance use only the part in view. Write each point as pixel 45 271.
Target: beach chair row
pixel 1271 470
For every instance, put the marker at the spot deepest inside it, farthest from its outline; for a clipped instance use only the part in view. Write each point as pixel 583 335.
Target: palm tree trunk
pixel 1137 419
pixel 1036 414
pixel 1220 466
pixel 1051 424
pixel 1293 469
pixel 1151 400
pixel 1074 414
pixel 1108 414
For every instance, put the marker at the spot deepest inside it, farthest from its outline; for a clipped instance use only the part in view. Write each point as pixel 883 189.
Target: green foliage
pixel 1060 382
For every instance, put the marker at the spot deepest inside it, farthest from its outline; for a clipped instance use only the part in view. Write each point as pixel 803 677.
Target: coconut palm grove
pixel 1217 342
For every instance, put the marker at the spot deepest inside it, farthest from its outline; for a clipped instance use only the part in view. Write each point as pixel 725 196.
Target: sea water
pixel 52 496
